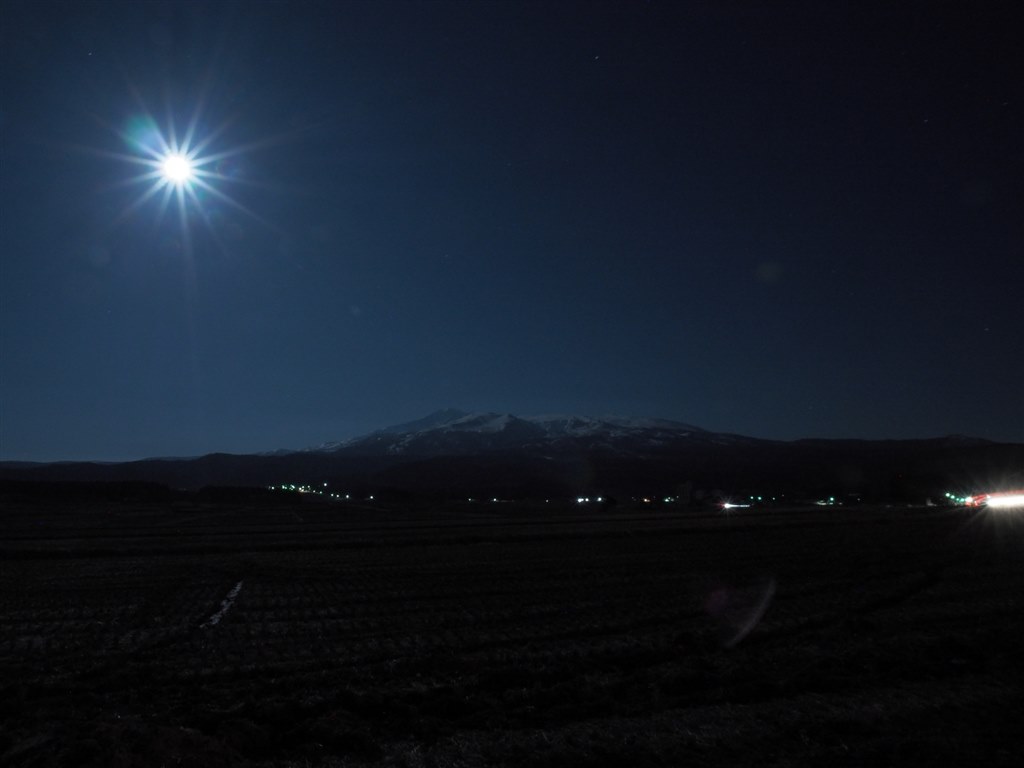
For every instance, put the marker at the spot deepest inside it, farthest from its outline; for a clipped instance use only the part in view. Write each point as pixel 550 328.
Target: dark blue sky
pixel 784 222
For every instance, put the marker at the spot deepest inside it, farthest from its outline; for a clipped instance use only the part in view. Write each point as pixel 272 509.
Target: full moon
pixel 182 172
pixel 176 169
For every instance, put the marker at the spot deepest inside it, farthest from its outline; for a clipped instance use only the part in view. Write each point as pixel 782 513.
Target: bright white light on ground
pixel 177 169
pixel 1012 500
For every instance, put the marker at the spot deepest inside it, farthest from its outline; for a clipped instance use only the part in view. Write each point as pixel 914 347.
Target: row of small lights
pixel 1007 500
pixel 292 488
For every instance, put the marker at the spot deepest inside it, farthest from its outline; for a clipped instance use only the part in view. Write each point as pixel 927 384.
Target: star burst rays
pixel 184 172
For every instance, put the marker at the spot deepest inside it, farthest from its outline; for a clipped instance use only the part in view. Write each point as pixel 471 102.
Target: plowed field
pixel 513 635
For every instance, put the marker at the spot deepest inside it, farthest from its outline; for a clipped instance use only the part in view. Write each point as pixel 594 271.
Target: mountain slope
pixel 457 433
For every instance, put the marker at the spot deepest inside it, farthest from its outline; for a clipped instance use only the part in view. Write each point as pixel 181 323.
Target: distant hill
pixel 458 454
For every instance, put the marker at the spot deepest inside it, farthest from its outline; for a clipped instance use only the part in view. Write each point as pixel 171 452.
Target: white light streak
pixel 1009 500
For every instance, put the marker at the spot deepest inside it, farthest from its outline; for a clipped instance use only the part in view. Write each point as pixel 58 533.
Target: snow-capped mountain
pixel 452 432
pixel 455 454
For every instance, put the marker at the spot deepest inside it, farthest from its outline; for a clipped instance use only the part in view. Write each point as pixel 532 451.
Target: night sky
pixel 782 220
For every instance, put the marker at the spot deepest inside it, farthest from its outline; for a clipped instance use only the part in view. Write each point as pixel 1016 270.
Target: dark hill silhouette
pixel 456 454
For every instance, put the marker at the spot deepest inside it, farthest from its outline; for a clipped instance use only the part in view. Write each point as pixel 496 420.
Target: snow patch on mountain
pixel 431 421
pixel 581 426
pixel 481 422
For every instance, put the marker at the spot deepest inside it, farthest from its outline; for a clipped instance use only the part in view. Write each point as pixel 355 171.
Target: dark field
pixel 503 634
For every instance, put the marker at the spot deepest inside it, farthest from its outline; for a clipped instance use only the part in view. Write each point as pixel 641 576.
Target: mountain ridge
pixel 455 454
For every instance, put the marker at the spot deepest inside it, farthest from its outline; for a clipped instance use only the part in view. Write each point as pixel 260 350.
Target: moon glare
pixel 176 168
pixel 181 171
